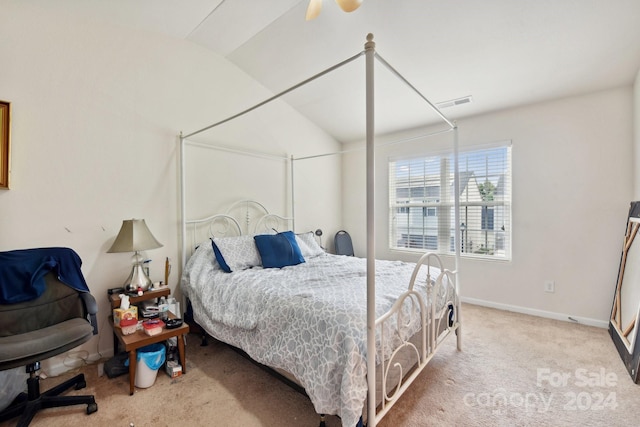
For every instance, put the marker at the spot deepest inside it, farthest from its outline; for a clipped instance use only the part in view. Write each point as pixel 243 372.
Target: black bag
pixel 115 367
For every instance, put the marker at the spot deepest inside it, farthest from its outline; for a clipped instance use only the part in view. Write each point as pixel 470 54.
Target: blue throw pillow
pixel 220 258
pixel 278 250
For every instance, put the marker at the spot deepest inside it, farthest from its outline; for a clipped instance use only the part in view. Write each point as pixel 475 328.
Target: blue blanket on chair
pixel 22 272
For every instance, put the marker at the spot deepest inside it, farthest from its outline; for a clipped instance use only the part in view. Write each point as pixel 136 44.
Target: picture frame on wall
pixel 5 142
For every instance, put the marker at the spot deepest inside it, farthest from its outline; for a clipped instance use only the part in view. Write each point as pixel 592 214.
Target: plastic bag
pixel 14 381
pixel 152 355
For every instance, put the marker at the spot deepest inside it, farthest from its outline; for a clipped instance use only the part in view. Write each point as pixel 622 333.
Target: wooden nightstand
pixel 151 294
pixel 133 342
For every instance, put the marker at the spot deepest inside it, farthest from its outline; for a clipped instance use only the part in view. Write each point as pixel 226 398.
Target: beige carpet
pixel 514 370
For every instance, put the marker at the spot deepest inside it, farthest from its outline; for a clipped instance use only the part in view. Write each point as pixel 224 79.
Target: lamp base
pixel 137 279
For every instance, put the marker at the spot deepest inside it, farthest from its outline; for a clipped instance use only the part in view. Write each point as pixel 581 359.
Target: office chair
pixel 59 319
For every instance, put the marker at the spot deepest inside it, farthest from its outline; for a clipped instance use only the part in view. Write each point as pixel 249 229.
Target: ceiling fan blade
pixel 313 10
pixel 349 5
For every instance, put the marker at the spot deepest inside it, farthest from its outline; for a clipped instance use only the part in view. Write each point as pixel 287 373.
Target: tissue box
pixel 121 313
pixel 173 368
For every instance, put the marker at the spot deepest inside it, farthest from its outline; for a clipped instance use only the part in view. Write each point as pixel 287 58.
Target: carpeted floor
pixel 514 370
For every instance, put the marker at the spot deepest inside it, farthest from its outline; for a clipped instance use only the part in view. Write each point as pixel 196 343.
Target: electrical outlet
pixel 549 286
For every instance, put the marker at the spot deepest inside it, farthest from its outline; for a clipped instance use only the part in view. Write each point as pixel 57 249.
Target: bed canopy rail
pixel 370 56
pixel 414 89
pixel 279 95
pixel 378 145
pixel 258 154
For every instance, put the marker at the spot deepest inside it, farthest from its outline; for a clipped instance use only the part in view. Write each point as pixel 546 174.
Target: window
pixel 421 203
pixel 429 211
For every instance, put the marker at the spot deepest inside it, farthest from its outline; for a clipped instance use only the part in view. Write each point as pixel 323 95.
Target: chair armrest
pixel 91 306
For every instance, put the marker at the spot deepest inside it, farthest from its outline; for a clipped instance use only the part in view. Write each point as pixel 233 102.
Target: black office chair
pixel 58 320
pixel 342 243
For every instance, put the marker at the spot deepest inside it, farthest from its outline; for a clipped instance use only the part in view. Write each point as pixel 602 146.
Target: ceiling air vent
pixel 454 102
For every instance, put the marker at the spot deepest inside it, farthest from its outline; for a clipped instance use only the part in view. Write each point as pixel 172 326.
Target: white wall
pixel 572 184
pixel 96 114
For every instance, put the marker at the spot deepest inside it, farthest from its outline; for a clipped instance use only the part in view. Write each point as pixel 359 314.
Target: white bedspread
pixel 309 319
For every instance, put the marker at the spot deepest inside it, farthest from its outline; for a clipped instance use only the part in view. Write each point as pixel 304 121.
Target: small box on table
pixel 122 313
pixel 173 368
pixel 153 326
pixel 128 326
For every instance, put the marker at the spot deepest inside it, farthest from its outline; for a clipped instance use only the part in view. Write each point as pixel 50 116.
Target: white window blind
pixel 421 202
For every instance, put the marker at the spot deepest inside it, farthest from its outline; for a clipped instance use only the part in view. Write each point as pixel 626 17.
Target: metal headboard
pixel 241 218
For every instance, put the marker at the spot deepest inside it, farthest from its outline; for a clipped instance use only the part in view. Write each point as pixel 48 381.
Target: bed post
pixel 183 218
pixel 369 48
pixel 457 239
pixel 293 197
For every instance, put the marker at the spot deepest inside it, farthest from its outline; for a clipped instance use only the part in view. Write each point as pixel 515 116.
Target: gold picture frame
pixel 5 142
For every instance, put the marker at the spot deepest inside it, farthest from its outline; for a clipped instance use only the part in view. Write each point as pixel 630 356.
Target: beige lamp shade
pixel 134 236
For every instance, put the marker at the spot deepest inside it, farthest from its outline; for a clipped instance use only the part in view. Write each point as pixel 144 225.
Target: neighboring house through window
pixel 421 202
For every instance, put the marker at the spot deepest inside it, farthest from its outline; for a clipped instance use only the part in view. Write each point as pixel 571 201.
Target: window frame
pixel 496 211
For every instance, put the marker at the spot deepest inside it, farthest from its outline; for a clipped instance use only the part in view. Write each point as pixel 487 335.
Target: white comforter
pixel 309 319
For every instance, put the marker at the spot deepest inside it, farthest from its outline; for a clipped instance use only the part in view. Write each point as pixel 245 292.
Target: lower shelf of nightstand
pixel 133 342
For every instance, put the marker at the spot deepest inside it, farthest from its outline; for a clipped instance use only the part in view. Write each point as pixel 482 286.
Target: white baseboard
pixel 540 313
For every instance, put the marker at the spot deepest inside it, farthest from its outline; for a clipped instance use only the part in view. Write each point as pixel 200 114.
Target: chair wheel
pixel 91 408
pixel 80 384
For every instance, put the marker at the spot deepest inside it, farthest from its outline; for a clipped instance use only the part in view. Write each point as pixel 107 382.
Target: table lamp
pixel 134 236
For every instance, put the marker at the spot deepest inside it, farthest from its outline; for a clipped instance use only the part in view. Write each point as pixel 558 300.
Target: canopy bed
pixel 326 313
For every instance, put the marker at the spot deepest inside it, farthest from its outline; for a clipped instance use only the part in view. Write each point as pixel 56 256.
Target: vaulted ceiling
pixel 503 53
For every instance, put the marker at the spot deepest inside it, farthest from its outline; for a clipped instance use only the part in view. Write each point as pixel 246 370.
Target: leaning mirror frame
pixel 625 313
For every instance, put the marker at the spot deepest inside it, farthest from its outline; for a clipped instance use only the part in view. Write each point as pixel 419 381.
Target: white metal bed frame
pixel 226 224
pixel 432 333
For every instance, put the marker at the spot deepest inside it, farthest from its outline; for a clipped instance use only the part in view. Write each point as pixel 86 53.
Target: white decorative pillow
pixel 239 252
pixel 309 245
pixel 203 253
